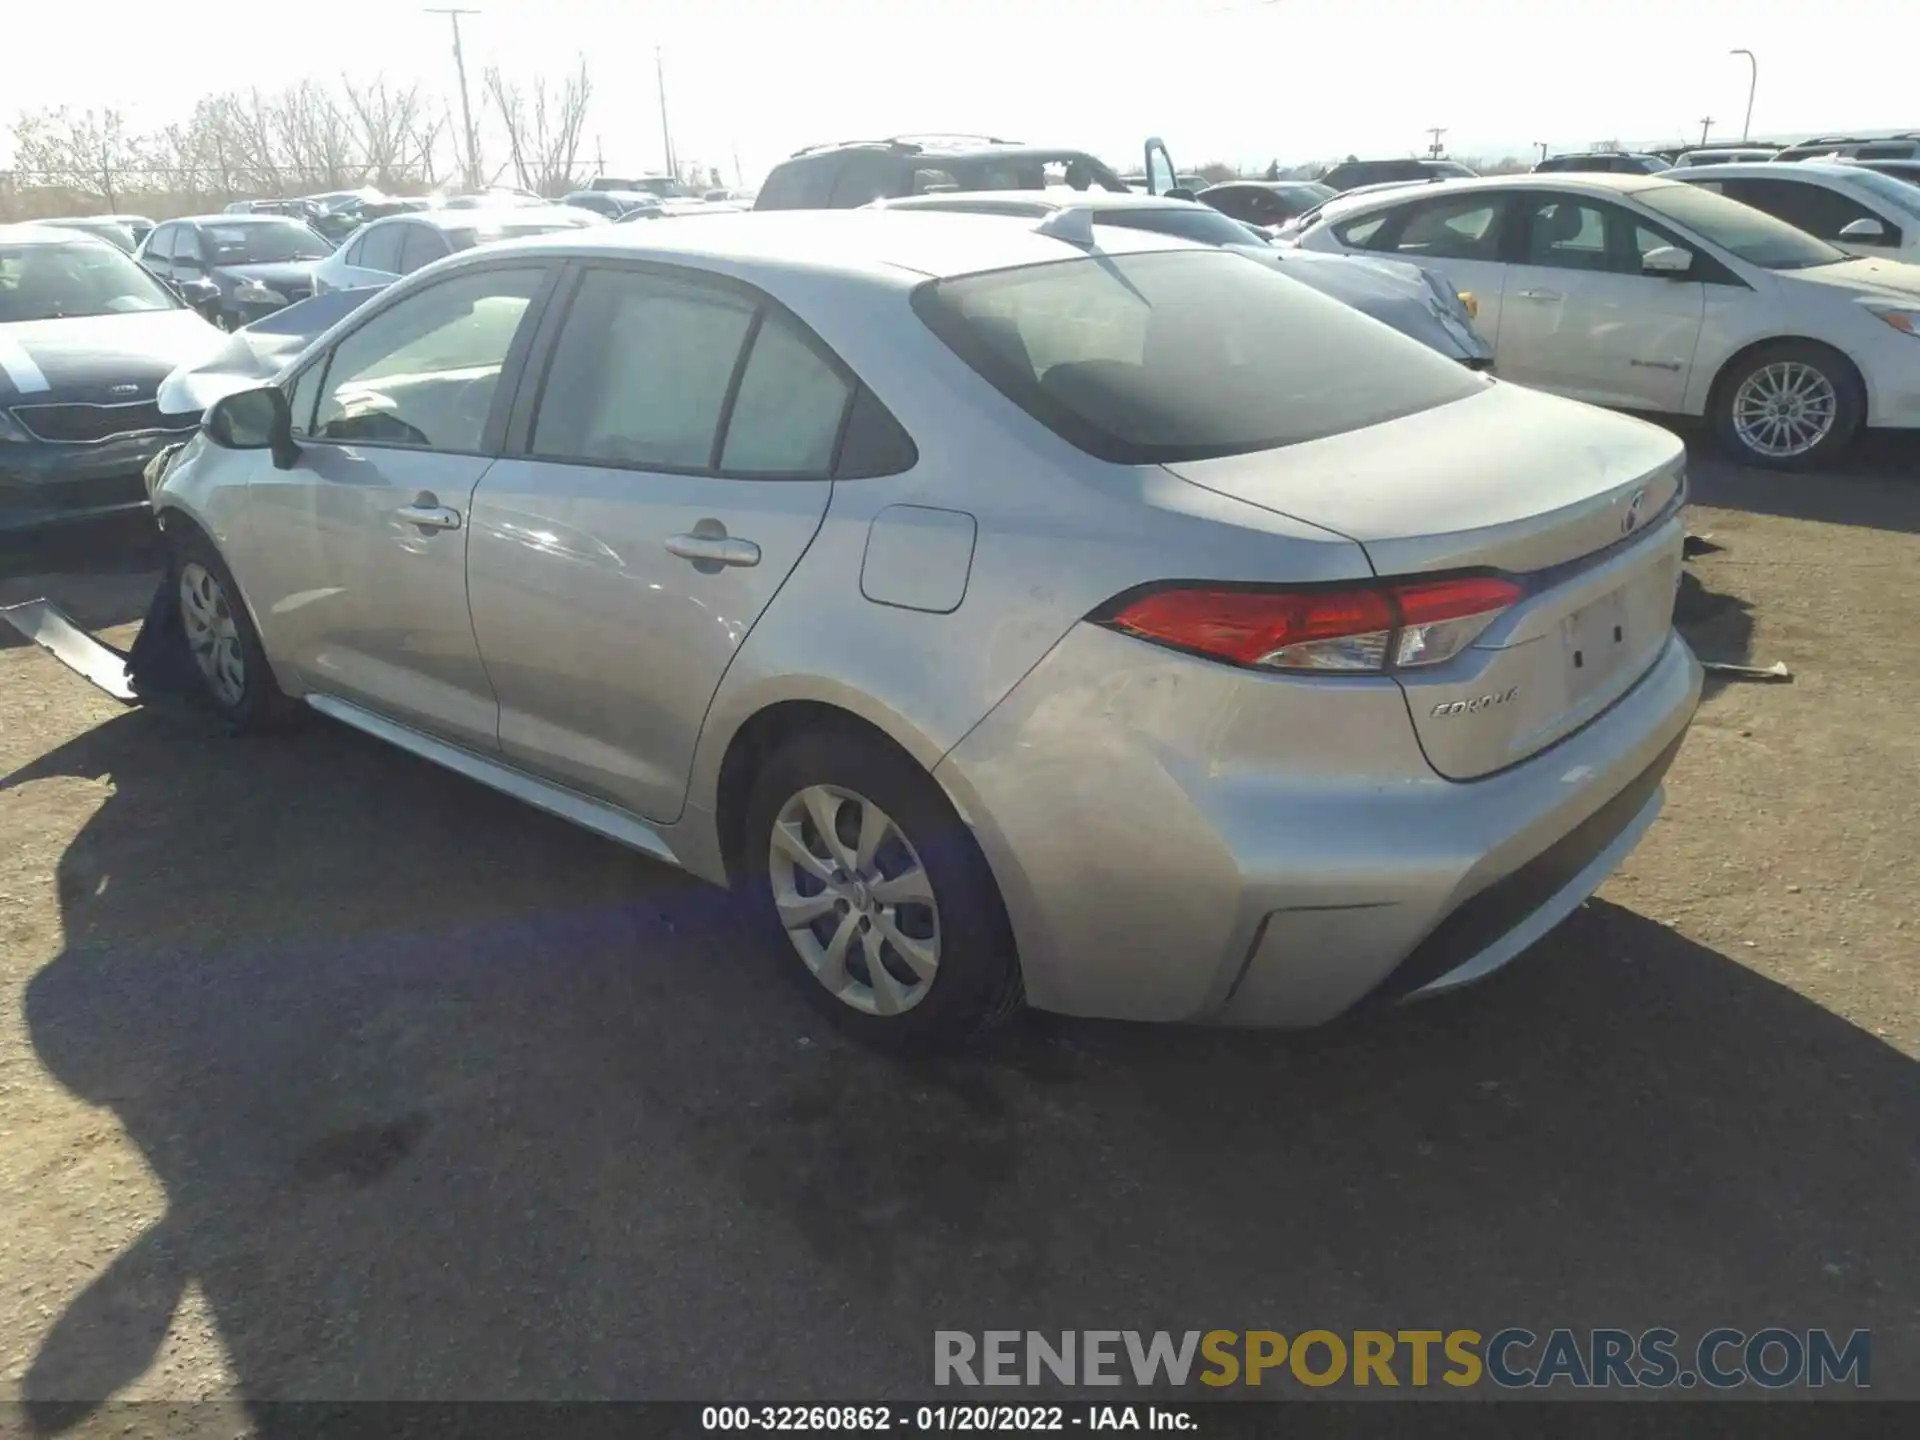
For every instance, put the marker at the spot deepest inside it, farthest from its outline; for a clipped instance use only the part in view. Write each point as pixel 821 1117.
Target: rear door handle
pixel 1541 295
pixel 430 517
pixel 714 549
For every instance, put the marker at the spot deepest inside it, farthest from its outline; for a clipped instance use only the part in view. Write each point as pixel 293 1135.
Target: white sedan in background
pixel 1849 206
pixel 1651 294
pixel 380 252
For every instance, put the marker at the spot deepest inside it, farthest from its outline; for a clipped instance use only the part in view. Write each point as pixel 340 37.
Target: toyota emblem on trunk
pixel 123 390
pixel 1630 521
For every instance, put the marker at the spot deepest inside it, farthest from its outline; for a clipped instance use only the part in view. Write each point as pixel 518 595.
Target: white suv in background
pixel 1849 206
pixel 1651 294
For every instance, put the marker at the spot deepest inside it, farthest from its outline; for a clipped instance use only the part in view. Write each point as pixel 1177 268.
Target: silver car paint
pixel 1146 814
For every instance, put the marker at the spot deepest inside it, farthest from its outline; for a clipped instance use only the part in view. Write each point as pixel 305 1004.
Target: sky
pixel 1240 81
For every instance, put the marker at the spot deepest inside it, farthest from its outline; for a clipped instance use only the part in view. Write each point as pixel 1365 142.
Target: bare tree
pixel 90 154
pixel 316 135
pixel 544 129
pixel 387 123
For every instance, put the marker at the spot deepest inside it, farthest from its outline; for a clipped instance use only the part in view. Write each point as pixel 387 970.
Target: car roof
pixel 258 219
pixel 1592 182
pixel 1771 169
pixel 1266 185
pixel 1054 198
pixel 46 232
pixel 872 244
pixel 953 147
pixel 481 216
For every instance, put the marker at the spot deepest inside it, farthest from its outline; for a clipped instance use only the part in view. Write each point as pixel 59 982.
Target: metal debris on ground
pixel 1775 672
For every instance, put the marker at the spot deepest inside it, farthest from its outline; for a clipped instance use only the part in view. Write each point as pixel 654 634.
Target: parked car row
pixel 1656 293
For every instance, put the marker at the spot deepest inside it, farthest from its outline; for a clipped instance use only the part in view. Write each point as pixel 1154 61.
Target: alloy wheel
pixel 214 639
pixel 1784 409
pixel 855 900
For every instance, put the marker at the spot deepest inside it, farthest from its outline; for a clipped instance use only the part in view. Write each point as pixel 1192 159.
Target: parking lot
pixel 324 1073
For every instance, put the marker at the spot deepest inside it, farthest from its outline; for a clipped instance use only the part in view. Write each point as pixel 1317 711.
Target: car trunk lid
pixel 1580 506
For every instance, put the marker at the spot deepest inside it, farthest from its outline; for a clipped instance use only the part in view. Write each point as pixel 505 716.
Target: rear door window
pixel 867 175
pixel 421 245
pixel 803 184
pixel 787 413
pixel 380 249
pixel 641 373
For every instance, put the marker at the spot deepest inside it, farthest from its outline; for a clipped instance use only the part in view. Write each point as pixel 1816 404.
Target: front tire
pixel 874 896
pixel 1789 406
pixel 236 679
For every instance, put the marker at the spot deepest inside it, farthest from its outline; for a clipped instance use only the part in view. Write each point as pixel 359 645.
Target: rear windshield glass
pixel 1182 355
pixel 1201 223
pixel 265 242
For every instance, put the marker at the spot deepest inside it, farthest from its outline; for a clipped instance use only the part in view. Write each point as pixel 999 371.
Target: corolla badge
pixel 123 389
pixel 1475 705
pixel 1630 521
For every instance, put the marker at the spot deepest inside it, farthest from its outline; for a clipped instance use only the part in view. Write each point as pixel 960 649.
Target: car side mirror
pixel 254 420
pixel 1668 260
pixel 1181 192
pixel 1865 228
pixel 202 295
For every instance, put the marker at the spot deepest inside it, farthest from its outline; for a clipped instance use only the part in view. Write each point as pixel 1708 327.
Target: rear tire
pixel 235 678
pixel 1794 405
pixel 874 897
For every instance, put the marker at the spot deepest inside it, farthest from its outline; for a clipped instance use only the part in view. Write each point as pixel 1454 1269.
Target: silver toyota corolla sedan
pixel 1110 623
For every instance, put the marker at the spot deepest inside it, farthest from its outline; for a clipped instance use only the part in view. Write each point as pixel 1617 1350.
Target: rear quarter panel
pixel 1057 534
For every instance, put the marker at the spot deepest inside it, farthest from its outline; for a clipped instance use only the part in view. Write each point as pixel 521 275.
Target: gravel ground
pixel 325 1074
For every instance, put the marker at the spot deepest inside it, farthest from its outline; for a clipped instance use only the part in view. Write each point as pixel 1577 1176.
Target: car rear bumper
pixel 1151 876
pixel 47 484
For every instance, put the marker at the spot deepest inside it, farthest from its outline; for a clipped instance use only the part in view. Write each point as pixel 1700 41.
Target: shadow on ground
pixel 1877 484
pixel 451 1100
pixel 102 574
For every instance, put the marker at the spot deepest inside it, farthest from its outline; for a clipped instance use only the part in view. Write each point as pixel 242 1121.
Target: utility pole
pixel 1706 124
pixel 666 135
pixel 466 106
pixel 1436 149
pixel 599 157
pixel 1753 84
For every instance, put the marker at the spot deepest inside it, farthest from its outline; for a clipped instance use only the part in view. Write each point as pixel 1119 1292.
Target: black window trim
pixel 531 385
pixel 493 433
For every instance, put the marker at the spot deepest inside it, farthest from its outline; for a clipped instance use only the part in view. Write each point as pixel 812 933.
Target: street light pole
pixel 1753 84
pixel 666 136
pixel 1543 148
pixel 466 106
pixel 1705 125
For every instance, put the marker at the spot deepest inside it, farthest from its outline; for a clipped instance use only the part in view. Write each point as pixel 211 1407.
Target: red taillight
pixel 1367 628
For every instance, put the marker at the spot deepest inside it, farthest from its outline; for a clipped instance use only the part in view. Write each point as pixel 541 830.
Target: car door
pixel 1457 236
pixel 1582 318
pixel 357 551
pixel 675 468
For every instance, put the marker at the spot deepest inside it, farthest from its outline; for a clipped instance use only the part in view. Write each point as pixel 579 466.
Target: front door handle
pixel 714 549
pixel 1541 295
pixel 430 517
